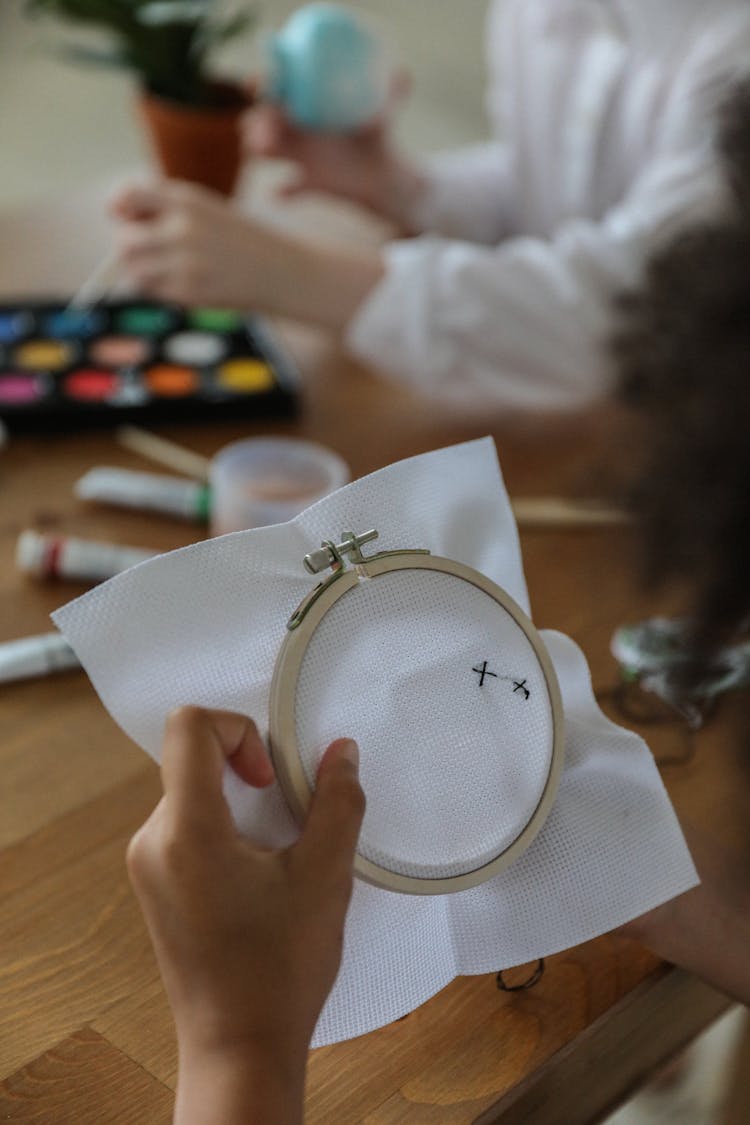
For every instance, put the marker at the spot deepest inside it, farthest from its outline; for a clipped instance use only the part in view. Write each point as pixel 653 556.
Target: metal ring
pixel 535 977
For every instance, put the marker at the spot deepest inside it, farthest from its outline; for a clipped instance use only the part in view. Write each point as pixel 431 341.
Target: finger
pixel 167 274
pixel 140 851
pixel 151 274
pixel 400 87
pixel 197 744
pixel 297 185
pixel 138 202
pixel 330 836
pixel 134 240
pixel 251 90
pixel 265 131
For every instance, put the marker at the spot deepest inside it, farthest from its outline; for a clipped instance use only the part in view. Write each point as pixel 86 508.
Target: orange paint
pixel 169 381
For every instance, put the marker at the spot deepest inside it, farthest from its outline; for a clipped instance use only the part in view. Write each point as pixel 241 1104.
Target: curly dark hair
pixel 683 355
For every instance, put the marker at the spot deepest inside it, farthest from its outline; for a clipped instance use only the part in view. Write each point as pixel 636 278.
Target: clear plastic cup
pixel 260 481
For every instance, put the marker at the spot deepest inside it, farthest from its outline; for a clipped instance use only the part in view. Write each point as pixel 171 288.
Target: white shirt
pixel 606 110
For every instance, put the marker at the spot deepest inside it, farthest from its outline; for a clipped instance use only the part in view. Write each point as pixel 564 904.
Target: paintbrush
pixel 97 284
pixel 557 511
pixel 164 452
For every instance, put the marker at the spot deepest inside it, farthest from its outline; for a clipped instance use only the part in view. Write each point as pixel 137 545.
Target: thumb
pixel 265 130
pixel 329 839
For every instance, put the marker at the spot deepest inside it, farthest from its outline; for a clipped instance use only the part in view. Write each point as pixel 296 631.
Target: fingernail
pixel 350 751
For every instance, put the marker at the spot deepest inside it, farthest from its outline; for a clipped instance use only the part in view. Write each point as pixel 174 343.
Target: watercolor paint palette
pixel 136 361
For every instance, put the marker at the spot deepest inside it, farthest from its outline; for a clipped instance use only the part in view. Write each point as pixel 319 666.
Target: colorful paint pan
pixel 20 388
pixel 170 381
pixel 120 351
pixel 245 376
pixel 14 326
pixel 136 361
pixel 73 324
pixel 44 355
pixel 91 385
pixel 196 348
pixel 215 320
pixel 145 320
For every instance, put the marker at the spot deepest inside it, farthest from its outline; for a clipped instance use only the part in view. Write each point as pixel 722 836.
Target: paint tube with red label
pixel 57 556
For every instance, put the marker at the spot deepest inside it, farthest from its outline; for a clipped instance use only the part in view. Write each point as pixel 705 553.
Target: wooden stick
pixel 530 511
pixel 556 511
pixel 164 452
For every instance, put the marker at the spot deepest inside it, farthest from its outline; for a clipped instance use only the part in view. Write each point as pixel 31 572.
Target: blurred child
pixel 601 112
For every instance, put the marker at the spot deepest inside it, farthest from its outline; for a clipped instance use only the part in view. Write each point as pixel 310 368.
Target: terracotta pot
pixel 197 144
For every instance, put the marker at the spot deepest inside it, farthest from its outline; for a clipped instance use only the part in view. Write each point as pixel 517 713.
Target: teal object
pixel 327 69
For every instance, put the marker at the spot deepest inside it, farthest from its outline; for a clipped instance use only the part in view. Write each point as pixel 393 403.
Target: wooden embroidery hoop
pixel 300 631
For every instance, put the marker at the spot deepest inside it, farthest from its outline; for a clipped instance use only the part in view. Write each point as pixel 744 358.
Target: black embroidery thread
pixel 482 672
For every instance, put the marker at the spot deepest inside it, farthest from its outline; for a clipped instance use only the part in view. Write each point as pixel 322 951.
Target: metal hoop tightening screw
pixel 332 554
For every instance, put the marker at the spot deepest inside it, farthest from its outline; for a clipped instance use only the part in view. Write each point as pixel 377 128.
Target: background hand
pixel 362 166
pixel 183 243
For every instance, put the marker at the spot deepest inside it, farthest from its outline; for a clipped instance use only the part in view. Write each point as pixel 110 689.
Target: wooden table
pixel 85 1033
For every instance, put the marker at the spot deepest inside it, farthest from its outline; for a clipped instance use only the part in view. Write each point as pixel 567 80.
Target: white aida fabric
pixel 203 625
pixel 454 761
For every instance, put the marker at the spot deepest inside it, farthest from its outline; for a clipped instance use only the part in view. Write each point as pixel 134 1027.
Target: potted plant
pixel 192 117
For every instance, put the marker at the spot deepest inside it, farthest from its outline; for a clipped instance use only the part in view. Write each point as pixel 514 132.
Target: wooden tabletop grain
pixel 85 1032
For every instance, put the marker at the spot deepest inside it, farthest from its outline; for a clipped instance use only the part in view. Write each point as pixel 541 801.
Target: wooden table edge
pixel 594 1073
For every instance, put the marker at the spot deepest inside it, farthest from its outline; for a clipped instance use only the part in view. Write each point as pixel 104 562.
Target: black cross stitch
pixel 482 672
pixel 521 686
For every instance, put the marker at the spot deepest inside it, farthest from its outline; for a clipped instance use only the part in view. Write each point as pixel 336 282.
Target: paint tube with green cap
pixel 153 492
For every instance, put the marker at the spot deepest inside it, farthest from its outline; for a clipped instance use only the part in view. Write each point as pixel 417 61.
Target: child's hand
pixel 248 939
pixel 183 243
pixel 361 166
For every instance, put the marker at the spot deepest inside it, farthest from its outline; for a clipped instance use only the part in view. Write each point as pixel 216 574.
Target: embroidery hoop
pixel 301 629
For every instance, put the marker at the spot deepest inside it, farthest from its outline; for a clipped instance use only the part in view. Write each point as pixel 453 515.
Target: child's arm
pixel 466 193
pixel 248 940
pixel 707 929
pixel 185 244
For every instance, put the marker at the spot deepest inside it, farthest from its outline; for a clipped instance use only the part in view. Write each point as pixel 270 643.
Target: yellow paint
pixel 43 355
pixel 245 375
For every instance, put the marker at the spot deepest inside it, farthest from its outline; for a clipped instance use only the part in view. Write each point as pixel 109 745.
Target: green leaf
pixel 162 13
pixel 221 31
pixel 93 56
pixel 166 42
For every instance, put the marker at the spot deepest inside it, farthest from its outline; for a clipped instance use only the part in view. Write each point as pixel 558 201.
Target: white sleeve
pixel 468 196
pixel 525 324
pixel 470 191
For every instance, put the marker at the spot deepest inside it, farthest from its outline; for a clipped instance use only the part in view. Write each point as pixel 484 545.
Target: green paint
pixel 216 320
pixel 203 506
pixel 145 320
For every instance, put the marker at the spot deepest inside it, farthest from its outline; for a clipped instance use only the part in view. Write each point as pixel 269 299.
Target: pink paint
pixel 18 389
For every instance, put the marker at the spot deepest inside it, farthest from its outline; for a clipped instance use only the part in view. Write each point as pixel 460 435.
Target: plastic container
pixel 262 481
pixel 328 69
